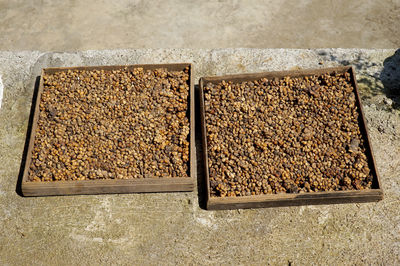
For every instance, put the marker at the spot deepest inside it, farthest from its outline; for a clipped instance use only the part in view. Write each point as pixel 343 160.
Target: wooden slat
pixel 286 199
pixel 281 200
pixel 33 131
pixel 192 144
pixel 364 131
pixel 107 186
pixel 115 185
pixel 171 67
pixel 204 141
pixel 274 74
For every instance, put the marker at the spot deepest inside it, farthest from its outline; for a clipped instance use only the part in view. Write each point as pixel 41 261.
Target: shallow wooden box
pixel 103 186
pixel 280 200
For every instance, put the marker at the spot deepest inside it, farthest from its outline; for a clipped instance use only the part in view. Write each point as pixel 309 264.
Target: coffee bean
pixel 298 134
pixel 124 123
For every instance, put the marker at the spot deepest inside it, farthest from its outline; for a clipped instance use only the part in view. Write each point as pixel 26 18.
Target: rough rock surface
pixel 171 228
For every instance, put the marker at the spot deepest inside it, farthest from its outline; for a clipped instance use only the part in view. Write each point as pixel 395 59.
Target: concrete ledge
pixel 172 228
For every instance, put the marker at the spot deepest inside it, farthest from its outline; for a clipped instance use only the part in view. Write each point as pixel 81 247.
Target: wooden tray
pixel 279 200
pixel 110 185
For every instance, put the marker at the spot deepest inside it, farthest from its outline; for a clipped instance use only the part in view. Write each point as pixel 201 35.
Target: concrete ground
pixel 67 25
pixel 171 228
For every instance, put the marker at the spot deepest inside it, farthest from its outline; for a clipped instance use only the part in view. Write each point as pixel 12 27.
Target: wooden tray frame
pixel 103 186
pixel 280 200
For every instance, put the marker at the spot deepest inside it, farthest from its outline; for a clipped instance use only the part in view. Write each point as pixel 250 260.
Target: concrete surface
pixel 70 25
pixel 169 229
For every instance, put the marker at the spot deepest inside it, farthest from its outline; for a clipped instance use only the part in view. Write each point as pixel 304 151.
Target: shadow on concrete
pixel 390 77
pixel 28 137
pixel 201 184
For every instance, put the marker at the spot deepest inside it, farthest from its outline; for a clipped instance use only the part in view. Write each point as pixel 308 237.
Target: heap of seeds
pixel 288 135
pixel 112 124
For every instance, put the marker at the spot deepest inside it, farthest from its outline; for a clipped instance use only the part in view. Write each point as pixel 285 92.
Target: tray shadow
pixel 390 77
pixel 18 188
pixel 201 184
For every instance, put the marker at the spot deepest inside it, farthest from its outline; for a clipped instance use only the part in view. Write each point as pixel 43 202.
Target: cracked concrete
pixel 171 228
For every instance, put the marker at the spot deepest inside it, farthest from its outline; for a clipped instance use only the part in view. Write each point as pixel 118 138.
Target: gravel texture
pixel 171 229
pixel 290 135
pixel 112 125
